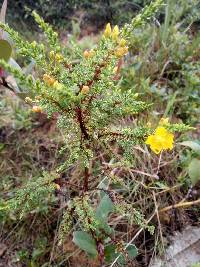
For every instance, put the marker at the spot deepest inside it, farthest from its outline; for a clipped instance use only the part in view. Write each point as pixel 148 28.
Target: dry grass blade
pixel 3 15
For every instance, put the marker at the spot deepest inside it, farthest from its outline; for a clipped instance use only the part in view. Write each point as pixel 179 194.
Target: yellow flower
pixel 36 109
pixel 121 51
pixel 57 85
pixel 88 54
pixel 122 42
pixel 115 69
pixel 57 186
pixel 59 57
pixel 85 89
pixel 48 79
pixel 164 121
pixel 108 31
pixel 161 140
pixel 115 33
pixel 52 54
pixel 28 100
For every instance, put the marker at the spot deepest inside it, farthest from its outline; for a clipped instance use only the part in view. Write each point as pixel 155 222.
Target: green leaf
pixel 193 145
pixel 194 171
pixel 2 146
pixel 103 185
pixel 86 242
pixel 132 251
pixel 5 50
pixel 111 254
pixel 105 207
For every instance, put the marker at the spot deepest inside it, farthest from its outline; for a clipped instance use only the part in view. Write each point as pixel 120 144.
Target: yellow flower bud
pixel 48 79
pixel 51 54
pixel 36 109
pixel 85 89
pixel 86 54
pixel 57 85
pixel 34 43
pixel 108 31
pixel 28 100
pixel 38 97
pixel 164 121
pixel 57 186
pixel 122 42
pixel 115 33
pixel 121 51
pixel 115 69
pixel 149 124
pixel 59 57
pixel 92 53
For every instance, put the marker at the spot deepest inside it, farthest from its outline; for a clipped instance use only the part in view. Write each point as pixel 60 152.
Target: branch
pixel 81 123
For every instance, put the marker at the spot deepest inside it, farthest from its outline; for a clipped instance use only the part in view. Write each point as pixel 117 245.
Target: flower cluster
pixel 121 49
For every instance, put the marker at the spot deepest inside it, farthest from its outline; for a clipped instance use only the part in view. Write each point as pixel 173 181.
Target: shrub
pixel 86 97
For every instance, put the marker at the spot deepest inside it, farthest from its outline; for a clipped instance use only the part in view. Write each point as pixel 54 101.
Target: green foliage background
pixel 59 13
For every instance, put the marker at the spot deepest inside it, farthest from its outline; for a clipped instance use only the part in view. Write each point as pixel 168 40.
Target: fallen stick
pixel 180 205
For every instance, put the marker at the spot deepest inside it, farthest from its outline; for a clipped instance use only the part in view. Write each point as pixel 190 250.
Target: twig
pixel 180 205
pixel 159 161
pixel 157 214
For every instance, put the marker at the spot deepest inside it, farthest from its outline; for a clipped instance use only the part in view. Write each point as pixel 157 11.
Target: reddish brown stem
pixel 81 123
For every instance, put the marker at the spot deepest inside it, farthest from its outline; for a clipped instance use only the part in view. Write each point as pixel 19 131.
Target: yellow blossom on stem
pixel 115 33
pixel 57 85
pixel 115 69
pixel 38 97
pixel 48 79
pixel 108 31
pixel 36 109
pixel 85 89
pixel 164 121
pixel 162 139
pixel 51 54
pixel 121 51
pixel 88 54
pixel 57 186
pixel 28 100
pixel 59 57
pixel 122 42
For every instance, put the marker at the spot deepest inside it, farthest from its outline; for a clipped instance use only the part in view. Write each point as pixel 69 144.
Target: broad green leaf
pixel 111 254
pixel 194 171
pixel 105 207
pixel 132 251
pixel 85 241
pixel 193 145
pixel 5 50
pixel 103 185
